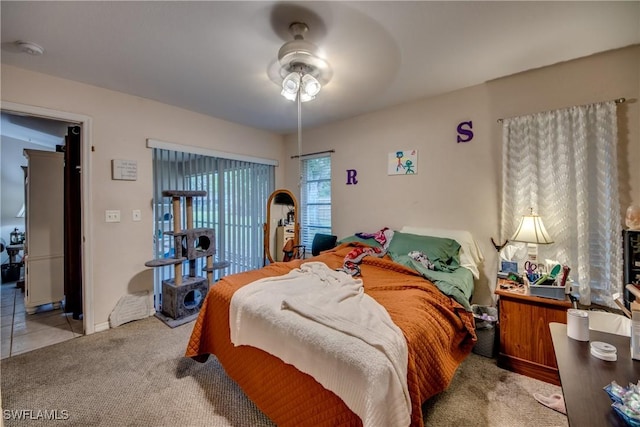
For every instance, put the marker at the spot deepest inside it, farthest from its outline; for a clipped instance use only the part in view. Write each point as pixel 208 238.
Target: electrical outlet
pixel 137 215
pixel 112 216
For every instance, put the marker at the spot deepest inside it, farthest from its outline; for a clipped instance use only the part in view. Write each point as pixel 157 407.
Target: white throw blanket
pixel 321 321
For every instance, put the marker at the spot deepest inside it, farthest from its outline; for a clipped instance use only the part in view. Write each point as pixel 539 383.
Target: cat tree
pixel 183 296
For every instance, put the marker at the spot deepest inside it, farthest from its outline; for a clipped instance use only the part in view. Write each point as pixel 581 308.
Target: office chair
pixel 322 242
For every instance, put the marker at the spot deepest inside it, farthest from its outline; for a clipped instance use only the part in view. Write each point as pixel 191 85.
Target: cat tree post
pixel 177 224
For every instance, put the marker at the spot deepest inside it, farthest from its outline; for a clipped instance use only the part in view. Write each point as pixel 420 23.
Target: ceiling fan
pixel 302 69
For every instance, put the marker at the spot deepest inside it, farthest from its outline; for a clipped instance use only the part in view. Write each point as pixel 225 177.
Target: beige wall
pixel 458 184
pixel 121 124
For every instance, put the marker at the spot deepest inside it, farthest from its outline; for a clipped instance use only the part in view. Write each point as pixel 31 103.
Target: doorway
pixel 80 316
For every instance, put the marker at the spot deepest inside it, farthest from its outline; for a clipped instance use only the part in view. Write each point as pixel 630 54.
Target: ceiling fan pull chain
pixel 299 101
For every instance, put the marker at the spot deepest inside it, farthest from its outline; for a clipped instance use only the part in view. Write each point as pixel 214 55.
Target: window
pixel 315 195
pixel 234 207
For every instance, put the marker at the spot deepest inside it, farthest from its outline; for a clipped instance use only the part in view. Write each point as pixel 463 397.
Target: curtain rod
pixel 313 154
pixel 617 101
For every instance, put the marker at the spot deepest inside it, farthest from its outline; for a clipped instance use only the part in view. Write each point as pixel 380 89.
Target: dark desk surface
pixel 583 376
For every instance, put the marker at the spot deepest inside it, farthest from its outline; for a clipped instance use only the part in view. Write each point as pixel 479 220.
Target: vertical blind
pixel 315 195
pixel 235 207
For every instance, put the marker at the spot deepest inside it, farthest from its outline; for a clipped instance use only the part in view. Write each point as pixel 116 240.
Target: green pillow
pixel 353 238
pixel 442 252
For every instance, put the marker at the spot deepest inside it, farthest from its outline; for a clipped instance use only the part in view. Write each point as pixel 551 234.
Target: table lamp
pixel 532 232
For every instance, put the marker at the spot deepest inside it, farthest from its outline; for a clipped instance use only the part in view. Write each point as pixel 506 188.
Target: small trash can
pixel 10 272
pixel 486 319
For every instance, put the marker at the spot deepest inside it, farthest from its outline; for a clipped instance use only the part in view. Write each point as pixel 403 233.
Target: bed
pixel 433 315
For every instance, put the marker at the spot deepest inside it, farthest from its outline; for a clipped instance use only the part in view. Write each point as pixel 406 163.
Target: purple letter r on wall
pixel 351 176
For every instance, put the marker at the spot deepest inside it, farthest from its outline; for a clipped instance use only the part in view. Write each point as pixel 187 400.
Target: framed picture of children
pixel 403 162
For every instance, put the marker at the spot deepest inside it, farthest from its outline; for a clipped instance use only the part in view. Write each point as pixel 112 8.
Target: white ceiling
pixel 214 57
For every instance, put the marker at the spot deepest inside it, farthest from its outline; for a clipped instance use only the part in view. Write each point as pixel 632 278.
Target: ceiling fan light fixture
pixel 291 83
pixel 298 83
pixel 288 95
pixel 305 97
pixel 310 85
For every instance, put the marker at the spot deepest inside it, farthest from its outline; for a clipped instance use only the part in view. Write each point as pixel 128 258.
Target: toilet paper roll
pixel 578 324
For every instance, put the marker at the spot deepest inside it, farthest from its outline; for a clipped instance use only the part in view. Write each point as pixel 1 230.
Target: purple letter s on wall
pixel 351 176
pixel 468 133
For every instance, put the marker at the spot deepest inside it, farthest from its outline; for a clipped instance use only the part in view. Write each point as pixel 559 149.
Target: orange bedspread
pixel 439 334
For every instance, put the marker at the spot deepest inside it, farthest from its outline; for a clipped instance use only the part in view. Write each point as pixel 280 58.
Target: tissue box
pixel 547 290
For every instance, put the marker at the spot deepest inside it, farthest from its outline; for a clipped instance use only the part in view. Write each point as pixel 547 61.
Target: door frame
pixel 85 203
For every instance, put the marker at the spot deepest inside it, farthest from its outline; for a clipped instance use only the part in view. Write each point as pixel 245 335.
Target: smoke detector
pixel 30 48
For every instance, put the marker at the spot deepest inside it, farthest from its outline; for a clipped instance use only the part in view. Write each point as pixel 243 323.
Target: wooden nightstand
pixel 525 338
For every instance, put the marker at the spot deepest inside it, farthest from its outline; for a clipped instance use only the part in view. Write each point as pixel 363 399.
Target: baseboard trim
pixel 99 327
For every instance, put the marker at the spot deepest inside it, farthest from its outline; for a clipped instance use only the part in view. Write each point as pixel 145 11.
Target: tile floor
pixel 22 332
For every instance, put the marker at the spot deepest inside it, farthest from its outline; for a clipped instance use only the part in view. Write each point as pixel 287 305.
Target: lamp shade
pixel 531 230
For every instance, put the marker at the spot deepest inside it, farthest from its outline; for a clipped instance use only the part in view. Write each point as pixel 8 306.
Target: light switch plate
pixel 112 216
pixel 137 215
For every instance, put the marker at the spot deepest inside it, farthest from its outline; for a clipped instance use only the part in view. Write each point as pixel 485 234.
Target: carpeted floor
pixel 135 375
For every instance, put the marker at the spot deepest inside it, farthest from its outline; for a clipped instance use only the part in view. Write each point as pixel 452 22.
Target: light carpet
pixel 136 375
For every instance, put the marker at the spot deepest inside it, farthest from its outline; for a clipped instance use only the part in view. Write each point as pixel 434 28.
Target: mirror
pixel 282 224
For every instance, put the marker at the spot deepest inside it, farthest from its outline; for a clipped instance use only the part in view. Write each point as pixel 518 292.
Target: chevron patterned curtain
pixel 563 164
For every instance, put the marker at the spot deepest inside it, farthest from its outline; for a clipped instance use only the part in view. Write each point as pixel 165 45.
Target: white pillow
pixel 470 254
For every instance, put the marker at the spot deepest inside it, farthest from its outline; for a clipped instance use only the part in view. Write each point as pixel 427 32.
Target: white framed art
pixel 402 162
